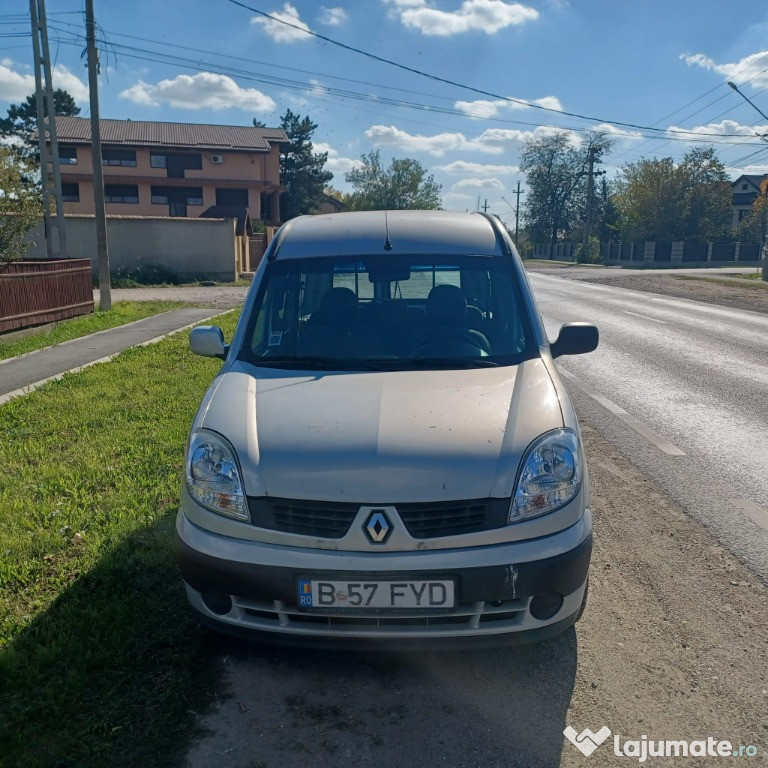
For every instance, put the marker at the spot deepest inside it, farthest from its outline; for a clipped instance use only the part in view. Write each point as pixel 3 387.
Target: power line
pixel 439 79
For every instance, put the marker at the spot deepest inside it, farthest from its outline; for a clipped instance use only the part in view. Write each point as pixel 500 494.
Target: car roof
pixel 364 233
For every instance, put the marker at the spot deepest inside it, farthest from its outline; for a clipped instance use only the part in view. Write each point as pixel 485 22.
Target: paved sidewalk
pixel 20 375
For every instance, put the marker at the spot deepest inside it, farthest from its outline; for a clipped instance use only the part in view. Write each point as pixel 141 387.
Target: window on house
pixel 68 155
pixel 177 198
pixel 70 193
pixel 157 161
pixel 743 214
pixel 126 157
pixel 121 193
pixel 178 164
pixel 745 186
pixel 232 197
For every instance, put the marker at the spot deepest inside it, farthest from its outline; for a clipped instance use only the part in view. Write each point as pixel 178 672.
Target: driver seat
pixel 447 317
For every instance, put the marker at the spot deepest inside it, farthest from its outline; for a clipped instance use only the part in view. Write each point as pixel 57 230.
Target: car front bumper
pixel 246 587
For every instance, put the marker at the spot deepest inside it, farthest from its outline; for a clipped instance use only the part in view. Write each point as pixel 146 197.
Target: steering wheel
pixel 458 343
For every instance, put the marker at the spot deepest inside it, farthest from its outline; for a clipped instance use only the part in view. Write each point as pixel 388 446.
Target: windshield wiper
pixel 308 362
pixel 448 362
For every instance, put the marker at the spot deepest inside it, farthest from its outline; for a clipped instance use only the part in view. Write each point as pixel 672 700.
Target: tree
pixel 302 171
pixel 20 205
pixel 405 184
pixel 708 206
pixel 20 126
pixel 658 200
pixel 649 198
pixel 554 171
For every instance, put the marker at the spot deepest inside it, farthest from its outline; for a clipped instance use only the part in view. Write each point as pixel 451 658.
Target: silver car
pixel 388 453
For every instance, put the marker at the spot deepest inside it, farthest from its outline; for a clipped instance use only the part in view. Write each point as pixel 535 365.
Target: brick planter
pixel 43 291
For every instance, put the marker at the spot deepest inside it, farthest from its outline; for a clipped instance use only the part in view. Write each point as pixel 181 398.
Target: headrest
pixel 339 305
pixel 446 305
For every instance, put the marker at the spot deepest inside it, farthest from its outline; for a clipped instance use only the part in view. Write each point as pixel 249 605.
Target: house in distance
pixel 172 169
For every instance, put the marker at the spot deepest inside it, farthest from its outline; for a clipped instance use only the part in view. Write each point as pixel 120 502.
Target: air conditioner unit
pixel 217 159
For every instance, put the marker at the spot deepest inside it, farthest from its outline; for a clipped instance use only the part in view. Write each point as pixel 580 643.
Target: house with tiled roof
pixel 172 169
pixel 744 191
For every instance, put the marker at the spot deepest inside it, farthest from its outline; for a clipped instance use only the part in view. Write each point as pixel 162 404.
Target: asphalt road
pixel 680 388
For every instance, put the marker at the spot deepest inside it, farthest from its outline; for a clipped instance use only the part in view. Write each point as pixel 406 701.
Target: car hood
pixel 381 437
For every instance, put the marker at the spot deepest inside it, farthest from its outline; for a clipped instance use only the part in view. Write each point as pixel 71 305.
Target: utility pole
pixel 591 173
pixel 105 291
pixel 516 209
pixel 485 206
pixel 56 247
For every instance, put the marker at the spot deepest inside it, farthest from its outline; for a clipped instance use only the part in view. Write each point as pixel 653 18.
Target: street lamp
pixel 764 137
pixel 746 98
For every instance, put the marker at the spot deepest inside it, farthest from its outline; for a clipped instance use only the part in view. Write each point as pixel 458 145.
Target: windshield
pixel 389 313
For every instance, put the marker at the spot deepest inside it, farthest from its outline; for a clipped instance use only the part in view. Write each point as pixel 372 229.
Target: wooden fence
pixel 43 291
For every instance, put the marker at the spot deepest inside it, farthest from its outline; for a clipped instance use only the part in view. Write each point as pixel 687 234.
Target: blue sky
pixel 654 65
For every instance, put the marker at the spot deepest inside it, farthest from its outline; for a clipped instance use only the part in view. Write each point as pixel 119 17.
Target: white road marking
pixel 37 384
pixel 642 429
pixel 645 317
pixel 755 511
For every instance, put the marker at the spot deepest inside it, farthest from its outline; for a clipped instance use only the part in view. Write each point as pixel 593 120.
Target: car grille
pixel 465 619
pixel 422 521
pixel 447 518
pixel 306 518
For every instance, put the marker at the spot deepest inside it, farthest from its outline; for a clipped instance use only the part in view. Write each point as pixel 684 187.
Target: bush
pixel 589 253
pixel 143 274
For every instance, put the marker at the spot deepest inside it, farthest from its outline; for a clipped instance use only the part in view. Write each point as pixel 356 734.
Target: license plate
pixel 411 596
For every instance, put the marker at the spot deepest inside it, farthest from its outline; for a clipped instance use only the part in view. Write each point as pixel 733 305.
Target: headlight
pixel 213 476
pixel 550 477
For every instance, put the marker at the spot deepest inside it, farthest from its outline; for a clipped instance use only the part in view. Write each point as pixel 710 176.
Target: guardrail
pixel 43 291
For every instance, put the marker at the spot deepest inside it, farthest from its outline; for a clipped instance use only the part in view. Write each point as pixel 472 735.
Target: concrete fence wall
pixel 669 254
pixel 190 248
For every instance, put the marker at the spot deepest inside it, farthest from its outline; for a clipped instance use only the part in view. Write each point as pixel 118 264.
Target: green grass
pixel 101 661
pixel 122 312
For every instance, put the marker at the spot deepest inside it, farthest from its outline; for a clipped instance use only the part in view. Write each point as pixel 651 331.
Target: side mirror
pixel 208 341
pixel 575 339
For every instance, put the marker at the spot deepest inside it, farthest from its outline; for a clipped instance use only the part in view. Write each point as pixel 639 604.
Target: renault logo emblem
pixel 378 528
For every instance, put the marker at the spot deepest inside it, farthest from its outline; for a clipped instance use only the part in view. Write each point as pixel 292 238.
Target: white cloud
pixel 483 108
pixel 332 17
pixel 439 144
pixel 16 87
pixel 477 184
pixel 462 166
pixel 281 33
pixel 723 128
pixel 616 132
pixel 487 16
pixel 506 137
pixel 751 69
pixel 336 163
pixel 205 90
pixel 750 170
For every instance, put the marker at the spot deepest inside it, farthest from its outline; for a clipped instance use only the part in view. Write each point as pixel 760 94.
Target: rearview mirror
pixel 575 339
pixel 208 341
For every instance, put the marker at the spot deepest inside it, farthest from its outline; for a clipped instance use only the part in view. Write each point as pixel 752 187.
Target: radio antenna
pixel 387 243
